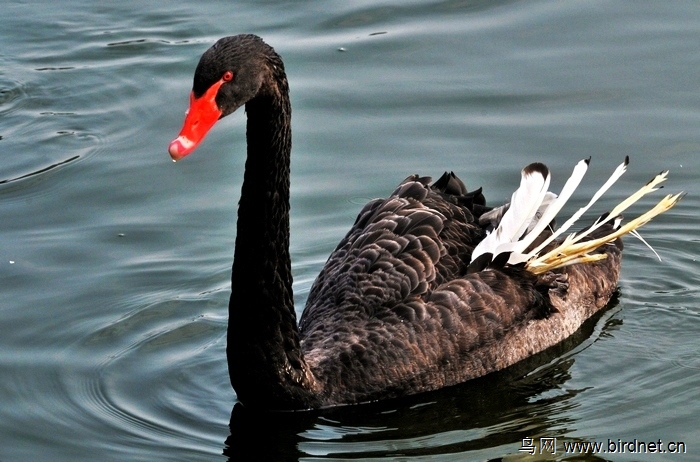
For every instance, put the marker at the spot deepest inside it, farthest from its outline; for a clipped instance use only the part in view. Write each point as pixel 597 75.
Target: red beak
pixel 201 116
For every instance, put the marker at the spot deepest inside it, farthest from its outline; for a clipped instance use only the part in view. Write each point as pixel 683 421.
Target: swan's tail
pixel 524 227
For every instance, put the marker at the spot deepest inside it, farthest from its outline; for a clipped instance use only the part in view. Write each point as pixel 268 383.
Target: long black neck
pixel 266 366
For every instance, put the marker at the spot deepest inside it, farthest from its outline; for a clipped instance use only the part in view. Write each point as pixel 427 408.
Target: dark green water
pixel 114 262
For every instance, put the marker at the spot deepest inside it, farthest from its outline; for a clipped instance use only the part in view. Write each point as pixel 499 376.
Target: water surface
pixel 115 262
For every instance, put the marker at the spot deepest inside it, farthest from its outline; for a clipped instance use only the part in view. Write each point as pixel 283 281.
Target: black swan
pixel 429 288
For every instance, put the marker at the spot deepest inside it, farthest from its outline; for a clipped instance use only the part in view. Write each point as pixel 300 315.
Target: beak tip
pixel 180 147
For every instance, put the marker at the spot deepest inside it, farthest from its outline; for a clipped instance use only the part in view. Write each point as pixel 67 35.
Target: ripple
pixel 40 171
pixel 39 137
pixel 134 381
pixel 51 166
pixel 12 94
pixel 64 68
pixel 688 360
pixel 142 41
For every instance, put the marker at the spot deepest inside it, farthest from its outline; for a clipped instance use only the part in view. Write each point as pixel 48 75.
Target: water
pixel 114 262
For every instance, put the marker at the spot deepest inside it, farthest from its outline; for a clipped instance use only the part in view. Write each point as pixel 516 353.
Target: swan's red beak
pixel 201 116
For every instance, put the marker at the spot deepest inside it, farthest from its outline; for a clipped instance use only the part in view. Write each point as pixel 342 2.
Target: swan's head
pixel 229 74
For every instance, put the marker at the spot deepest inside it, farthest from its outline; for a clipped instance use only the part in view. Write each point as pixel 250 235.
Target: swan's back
pixel 398 248
pixel 395 312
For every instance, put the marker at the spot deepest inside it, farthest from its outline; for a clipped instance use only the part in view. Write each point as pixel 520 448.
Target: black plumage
pixel 394 310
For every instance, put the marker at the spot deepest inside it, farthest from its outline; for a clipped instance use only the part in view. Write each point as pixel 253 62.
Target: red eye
pixel 228 75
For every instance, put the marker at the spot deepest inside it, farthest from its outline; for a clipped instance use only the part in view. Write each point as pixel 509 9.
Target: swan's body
pixel 397 308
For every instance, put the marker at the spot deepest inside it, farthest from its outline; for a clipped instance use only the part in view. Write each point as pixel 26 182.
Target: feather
pixel 532 209
pixel 550 212
pixel 524 204
pixel 636 234
pixel 624 205
pixel 548 199
pixel 619 171
pixel 571 249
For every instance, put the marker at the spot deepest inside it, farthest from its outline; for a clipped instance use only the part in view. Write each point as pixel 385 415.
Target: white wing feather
pixel 524 204
pixel 533 208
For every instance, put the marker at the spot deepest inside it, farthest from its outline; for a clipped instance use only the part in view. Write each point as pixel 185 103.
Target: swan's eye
pixel 228 75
